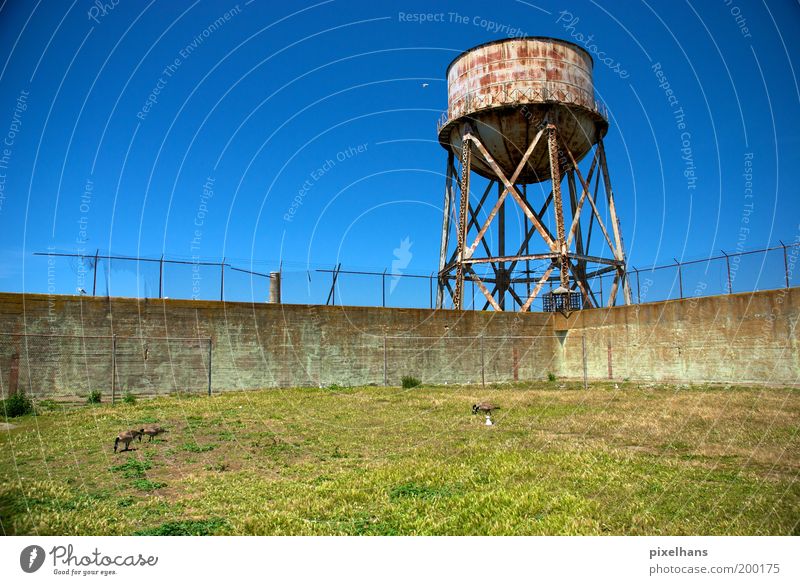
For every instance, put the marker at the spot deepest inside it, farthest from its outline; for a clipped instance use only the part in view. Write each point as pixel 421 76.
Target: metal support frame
pixel 331 300
pixel 567 250
pixel 466 160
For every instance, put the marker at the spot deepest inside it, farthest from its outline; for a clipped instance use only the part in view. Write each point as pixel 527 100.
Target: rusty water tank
pixel 504 89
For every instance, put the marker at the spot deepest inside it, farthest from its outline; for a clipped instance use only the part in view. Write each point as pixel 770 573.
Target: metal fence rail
pixel 142 277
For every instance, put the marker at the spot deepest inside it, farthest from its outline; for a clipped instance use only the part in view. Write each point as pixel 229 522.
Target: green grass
pixel 410 382
pixel 195 448
pixel 383 461
pixel 133 468
pixel 17 404
pixel 187 528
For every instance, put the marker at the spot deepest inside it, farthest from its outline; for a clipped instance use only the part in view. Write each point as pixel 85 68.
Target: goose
pixel 152 431
pixel 126 437
pixel 487 408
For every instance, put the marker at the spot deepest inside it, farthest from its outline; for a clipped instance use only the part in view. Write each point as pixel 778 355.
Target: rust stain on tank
pixel 505 88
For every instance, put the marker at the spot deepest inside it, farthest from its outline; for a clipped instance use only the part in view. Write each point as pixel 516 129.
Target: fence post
pixel 728 264
pixel 483 366
pixel 785 263
pixel 385 368
pixel 383 289
pixel 161 277
pixel 585 367
pixel 430 289
pixel 638 287
pixel 94 279
pixel 209 366
pixel 680 277
pixel 222 280
pixel 113 368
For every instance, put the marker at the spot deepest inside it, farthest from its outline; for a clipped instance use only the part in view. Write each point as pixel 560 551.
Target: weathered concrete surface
pixel 254 346
pixel 737 338
pixel 749 337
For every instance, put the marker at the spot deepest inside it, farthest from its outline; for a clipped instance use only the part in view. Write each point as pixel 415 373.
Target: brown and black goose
pixel 152 431
pixel 485 407
pixel 126 438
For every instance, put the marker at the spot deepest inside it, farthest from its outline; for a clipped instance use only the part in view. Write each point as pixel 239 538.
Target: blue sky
pixel 302 131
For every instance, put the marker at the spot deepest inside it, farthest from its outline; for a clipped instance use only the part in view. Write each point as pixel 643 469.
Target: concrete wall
pixel 735 338
pixel 749 337
pixel 254 346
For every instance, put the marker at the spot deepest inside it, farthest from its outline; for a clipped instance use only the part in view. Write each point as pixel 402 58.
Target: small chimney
pixel 275 288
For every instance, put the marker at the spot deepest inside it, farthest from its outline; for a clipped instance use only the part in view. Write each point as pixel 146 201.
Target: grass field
pixel 631 459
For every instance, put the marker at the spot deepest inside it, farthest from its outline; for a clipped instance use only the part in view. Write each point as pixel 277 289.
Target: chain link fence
pixel 196 279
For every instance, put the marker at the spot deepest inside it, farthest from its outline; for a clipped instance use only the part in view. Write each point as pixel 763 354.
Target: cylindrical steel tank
pixel 504 89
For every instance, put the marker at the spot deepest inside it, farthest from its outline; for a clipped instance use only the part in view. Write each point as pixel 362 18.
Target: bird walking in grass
pixel 486 408
pixel 152 431
pixel 126 438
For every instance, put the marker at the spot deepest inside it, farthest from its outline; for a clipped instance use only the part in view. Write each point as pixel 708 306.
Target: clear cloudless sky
pixel 303 132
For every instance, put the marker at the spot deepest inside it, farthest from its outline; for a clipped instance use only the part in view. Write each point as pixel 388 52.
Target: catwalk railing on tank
pixel 206 279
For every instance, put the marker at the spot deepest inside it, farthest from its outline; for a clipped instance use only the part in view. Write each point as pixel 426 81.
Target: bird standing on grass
pixel 152 431
pixel 126 438
pixel 486 408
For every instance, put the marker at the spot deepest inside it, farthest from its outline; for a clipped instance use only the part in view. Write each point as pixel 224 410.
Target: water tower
pixel 520 112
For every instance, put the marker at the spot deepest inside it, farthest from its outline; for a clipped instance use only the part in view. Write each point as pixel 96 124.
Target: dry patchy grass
pixel 617 459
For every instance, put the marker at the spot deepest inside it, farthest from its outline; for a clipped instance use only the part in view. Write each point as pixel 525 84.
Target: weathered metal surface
pixel 507 89
pixel 466 158
pixel 522 111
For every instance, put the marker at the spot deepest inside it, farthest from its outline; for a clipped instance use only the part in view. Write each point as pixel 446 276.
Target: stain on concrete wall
pixel 255 346
pixel 747 338
pixel 741 338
